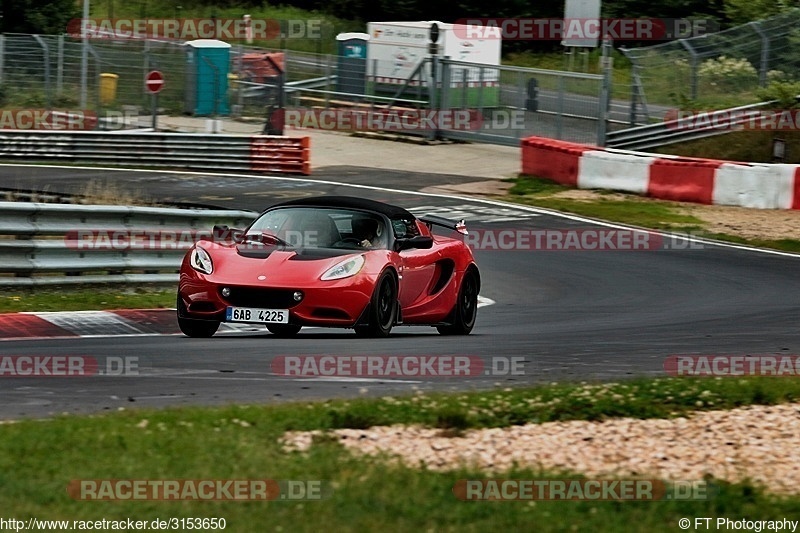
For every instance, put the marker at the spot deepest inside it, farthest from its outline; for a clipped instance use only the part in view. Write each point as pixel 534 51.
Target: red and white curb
pixel 683 179
pixel 88 324
pixel 117 323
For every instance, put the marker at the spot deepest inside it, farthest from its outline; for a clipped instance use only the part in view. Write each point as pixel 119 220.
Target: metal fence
pixel 516 102
pixel 721 69
pixel 52 244
pixel 45 72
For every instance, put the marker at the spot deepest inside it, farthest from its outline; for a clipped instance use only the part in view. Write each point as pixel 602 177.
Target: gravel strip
pixel 756 442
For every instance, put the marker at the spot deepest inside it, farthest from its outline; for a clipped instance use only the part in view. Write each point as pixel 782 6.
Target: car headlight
pixel 201 261
pixel 345 269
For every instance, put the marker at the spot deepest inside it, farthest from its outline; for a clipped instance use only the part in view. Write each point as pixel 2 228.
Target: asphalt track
pixel 571 315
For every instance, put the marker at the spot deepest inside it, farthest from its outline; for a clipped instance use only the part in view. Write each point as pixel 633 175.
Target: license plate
pixel 259 316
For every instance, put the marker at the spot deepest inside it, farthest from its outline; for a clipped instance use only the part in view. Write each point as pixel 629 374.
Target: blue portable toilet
pixel 352 62
pixel 207 66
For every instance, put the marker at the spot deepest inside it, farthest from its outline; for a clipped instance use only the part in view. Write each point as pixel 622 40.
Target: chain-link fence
pixel 717 70
pixel 506 103
pixel 47 72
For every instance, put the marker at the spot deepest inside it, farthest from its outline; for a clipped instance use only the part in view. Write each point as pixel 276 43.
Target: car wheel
pixel 195 328
pixel 382 308
pixel 283 330
pixel 466 308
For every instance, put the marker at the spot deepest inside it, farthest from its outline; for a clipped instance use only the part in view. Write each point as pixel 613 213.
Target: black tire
pixel 382 308
pixel 283 330
pixel 466 309
pixel 201 329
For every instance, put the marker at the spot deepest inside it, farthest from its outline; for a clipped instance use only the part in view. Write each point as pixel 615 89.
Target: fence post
pixel 692 52
pixel 60 66
pixel 605 93
pixel 764 60
pixel 560 107
pixel 2 54
pixel 145 69
pixel 97 63
pixel 524 107
pixel 433 90
pixel 84 53
pixel 634 95
pixel 464 93
pixel 46 57
pixel 328 63
pixel 444 102
pixel 634 104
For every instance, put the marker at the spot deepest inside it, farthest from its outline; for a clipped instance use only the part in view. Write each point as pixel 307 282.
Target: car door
pixel 417 268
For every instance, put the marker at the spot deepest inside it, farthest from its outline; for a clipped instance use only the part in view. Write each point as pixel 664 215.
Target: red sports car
pixel 331 261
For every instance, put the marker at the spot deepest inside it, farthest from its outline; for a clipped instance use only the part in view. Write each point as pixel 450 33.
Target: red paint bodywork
pixel 428 282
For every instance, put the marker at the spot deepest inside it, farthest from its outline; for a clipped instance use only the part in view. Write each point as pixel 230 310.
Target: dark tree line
pixel 46 17
pixel 52 16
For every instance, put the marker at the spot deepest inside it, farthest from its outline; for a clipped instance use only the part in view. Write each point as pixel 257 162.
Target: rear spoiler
pixel 434 220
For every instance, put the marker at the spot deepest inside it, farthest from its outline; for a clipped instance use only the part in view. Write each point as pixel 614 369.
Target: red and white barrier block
pixel 685 179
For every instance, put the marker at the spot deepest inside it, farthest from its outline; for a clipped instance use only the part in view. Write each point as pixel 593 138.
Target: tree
pixel 46 17
pixel 744 11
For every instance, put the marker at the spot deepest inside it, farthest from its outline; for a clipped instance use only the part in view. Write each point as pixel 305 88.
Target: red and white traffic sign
pixel 154 81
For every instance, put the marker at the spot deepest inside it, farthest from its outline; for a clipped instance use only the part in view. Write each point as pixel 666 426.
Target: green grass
pixel 85 298
pixel 637 211
pixel 39 458
pixel 752 146
pixel 634 210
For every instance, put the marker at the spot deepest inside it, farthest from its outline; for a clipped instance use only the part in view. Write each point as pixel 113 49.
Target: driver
pixel 368 231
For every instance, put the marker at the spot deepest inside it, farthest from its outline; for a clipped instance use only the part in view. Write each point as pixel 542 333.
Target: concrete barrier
pixel 705 181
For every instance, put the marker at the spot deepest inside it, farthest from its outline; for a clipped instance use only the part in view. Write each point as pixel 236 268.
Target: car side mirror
pixel 420 242
pixel 223 233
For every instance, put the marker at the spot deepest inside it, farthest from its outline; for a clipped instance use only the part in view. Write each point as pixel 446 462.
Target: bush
pixel 728 73
pixel 785 92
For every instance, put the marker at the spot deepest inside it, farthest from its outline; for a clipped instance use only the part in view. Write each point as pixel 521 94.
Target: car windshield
pixel 313 227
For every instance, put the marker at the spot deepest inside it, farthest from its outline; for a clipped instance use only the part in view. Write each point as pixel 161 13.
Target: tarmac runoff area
pixel 329 148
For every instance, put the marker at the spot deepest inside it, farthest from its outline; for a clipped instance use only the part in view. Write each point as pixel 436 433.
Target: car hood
pixel 275 266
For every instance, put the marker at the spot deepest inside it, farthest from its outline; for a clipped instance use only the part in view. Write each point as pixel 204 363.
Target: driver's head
pixel 365 227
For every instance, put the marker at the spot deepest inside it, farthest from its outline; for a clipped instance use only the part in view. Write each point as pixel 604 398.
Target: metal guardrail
pixel 674 131
pixel 56 244
pixel 183 150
